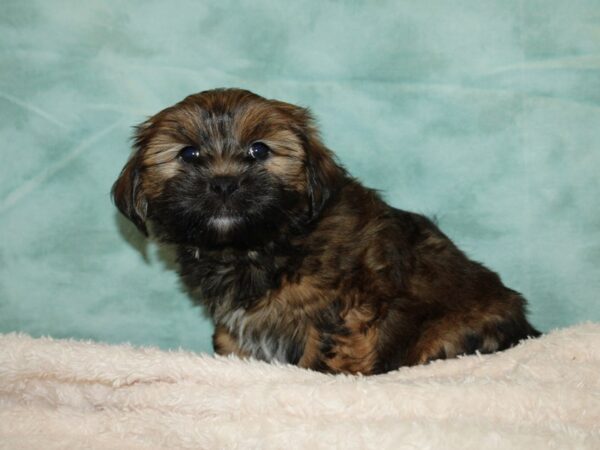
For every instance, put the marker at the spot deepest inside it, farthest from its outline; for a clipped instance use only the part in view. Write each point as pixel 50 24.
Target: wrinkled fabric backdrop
pixel 485 115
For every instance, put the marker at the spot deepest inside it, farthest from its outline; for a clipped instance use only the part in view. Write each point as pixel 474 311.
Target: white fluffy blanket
pixel 545 393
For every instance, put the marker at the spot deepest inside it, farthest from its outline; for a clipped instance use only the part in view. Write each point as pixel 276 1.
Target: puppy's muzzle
pixel 224 185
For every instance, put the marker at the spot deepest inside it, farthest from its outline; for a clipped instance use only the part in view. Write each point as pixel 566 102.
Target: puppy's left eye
pixel 189 154
pixel 259 151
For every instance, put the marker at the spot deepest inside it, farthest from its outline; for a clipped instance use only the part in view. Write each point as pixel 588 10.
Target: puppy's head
pixel 226 166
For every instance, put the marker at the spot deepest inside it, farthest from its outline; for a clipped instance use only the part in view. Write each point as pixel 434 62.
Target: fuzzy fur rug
pixel 545 393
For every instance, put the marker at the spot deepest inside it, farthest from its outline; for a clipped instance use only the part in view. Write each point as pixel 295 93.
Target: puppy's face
pixel 225 167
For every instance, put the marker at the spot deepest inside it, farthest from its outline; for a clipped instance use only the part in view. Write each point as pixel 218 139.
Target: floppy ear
pixel 128 196
pixel 323 174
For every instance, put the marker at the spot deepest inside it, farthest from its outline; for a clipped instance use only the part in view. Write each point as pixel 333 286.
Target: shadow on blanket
pixel 543 393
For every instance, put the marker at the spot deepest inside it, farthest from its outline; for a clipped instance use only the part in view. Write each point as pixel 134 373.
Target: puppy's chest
pixel 233 279
pixel 235 289
pixel 265 335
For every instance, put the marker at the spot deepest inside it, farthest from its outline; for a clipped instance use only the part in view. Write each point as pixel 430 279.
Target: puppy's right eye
pixel 189 154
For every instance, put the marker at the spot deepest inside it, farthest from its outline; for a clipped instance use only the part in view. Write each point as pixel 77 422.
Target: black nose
pixel 224 185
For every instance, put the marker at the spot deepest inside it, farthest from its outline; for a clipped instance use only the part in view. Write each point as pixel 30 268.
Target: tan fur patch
pixel 225 344
pixel 305 295
pixel 161 164
pixel 357 351
pixel 311 348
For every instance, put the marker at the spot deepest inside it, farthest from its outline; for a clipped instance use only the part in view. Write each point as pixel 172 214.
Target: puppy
pixel 295 260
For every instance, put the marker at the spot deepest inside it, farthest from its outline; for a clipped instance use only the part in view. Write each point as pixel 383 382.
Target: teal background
pixel 485 114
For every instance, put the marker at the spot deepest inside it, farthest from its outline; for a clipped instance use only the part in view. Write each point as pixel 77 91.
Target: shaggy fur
pixel 295 260
pixel 58 394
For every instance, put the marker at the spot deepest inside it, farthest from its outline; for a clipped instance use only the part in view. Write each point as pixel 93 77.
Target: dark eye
pixel 259 151
pixel 189 154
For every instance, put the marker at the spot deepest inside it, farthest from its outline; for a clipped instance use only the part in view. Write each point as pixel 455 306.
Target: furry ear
pixel 128 196
pixel 323 174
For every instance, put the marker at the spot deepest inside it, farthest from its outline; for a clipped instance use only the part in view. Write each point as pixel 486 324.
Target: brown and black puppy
pixel 295 260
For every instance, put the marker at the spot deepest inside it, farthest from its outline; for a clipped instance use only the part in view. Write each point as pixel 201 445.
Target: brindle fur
pixel 321 272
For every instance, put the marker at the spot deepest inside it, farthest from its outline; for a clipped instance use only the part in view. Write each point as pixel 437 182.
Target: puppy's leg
pixel 446 338
pixel 342 342
pixel 225 343
pixel 457 334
